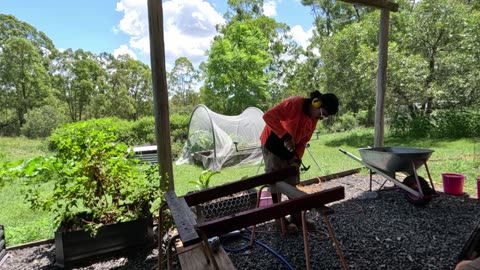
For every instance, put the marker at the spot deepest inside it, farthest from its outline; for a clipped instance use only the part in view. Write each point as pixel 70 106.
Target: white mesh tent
pixel 217 141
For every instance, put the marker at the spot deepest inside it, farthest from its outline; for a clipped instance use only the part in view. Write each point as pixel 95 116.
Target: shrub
pixel 96 182
pixel 144 130
pixel 440 124
pixel 41 121
pixel 345 122
pixel 404 125
pixel 119 130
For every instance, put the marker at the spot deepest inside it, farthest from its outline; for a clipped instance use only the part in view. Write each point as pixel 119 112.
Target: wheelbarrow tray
pixel 395 159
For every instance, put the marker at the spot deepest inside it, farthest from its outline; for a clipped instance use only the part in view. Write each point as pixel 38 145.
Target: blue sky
pixel 121 26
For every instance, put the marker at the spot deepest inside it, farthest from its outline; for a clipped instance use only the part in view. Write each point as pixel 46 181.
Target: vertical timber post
pixel 160 93
pixel 381 78
pixel 160 100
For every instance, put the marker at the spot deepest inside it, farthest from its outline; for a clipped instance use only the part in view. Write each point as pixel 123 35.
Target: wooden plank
pixel 292 192
pixel 254 216
pixel 237 186
pixel 183 217
pixel 329 177
pixel 192 258
pixel 384 4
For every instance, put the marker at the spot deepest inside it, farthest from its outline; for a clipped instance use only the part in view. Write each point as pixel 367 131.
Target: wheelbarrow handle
pixel 351 155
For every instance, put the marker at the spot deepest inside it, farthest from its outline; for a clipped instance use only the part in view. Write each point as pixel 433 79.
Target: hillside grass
pixel 25 225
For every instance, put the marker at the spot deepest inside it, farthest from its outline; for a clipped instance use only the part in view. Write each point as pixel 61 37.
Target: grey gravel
pixel 375 230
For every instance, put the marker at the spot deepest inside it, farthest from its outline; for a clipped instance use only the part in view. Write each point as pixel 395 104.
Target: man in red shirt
pixel 289 127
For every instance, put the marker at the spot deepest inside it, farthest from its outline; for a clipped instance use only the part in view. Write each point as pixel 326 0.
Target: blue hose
pixel 258 243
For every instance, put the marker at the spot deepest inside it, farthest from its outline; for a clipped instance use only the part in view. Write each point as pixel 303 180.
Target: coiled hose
pixel 241 249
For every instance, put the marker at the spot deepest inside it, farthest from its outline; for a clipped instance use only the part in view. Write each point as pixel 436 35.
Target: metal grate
pixel 225 206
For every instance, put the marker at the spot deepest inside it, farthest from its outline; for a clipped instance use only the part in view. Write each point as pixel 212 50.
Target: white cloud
pixel 124 49
pixel 300 36
pixel 189 27
pixel 270 8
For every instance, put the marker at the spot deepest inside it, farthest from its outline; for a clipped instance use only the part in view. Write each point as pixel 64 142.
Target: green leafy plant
pixel 203 181
pixel 90 181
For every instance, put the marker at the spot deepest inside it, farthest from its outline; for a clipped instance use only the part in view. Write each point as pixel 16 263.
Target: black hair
pixel 329 102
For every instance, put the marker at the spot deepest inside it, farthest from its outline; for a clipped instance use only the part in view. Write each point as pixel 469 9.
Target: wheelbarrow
pixel 387 161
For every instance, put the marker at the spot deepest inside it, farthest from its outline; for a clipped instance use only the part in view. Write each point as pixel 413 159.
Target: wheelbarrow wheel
pixel 427 190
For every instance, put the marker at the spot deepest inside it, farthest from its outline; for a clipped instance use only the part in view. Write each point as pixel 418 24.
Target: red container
pixel 453 183
pixel 265 199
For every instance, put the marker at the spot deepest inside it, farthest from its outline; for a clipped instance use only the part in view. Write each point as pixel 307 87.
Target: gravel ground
pixel 376 231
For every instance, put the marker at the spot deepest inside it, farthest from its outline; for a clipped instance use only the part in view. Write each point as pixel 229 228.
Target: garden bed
pixel 385 232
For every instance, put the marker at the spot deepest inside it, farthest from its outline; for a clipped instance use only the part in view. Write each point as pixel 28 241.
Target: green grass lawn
pixel 24 225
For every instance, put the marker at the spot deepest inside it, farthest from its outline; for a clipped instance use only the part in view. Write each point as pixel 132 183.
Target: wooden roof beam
pixel 385 4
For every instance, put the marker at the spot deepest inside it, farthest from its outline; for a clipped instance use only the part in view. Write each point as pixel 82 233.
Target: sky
pixel 121 26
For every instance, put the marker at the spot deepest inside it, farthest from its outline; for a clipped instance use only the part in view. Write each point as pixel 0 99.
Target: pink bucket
pixel 453 183
pixel 265 199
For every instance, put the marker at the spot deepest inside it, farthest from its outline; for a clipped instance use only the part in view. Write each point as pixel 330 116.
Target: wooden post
pixel 160 94
pixel 160 103
pixel 381 78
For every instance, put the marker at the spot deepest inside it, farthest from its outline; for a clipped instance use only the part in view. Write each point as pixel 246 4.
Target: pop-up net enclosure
pixel 216 141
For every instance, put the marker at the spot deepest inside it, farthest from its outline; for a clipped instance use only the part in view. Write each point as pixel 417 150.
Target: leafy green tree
pixel 12 27
pixel 249 40
pixel 235 70
pixel 24 81
pixel 182 81
pixel 349 64
pixel 129 95
pixel 429 41
pixel 332 16
pixel 78 78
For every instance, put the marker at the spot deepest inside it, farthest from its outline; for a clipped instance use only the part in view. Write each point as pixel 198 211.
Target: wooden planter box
pixel 3 247
pixel 75 245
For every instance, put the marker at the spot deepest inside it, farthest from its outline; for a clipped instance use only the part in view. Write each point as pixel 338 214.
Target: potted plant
pixel 101 197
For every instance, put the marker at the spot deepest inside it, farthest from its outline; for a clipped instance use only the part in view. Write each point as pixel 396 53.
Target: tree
pixel 235 77
pixel 182 81
pixel 12 27
pixel 129 95
pixel 332 16
pixel 442 34
pixel 249 36
pixel 78 78
pixel 24 81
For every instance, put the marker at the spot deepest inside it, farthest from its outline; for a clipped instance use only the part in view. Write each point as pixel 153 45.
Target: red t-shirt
pixel 288 117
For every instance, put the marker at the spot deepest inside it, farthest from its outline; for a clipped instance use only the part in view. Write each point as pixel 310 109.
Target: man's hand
pixel 289 144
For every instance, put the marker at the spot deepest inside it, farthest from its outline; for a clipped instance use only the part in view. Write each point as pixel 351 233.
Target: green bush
pixel 345 122
pixel 440 124
pixel 96 181
pixel 10 127
pixel 41 121
pixel 455 124
pixel 144 130
pixel 119 130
